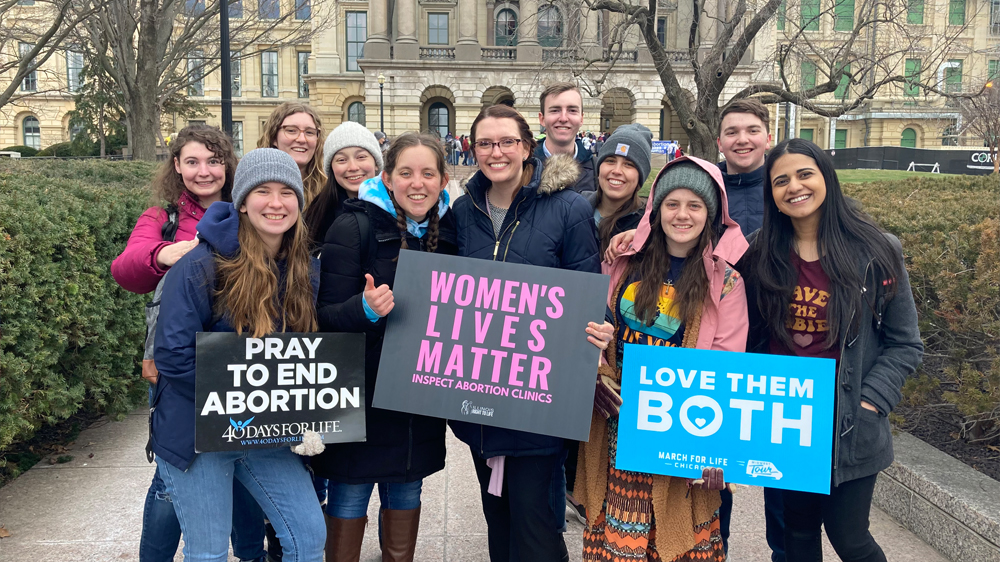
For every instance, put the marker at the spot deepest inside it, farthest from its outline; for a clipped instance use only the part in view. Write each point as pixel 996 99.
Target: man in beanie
pixel 561 114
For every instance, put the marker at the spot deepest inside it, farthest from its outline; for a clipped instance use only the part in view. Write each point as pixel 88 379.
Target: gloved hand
pixel 711 479
pixel 607 397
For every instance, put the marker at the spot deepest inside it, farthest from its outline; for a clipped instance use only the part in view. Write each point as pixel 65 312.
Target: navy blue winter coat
pixel 185 310
pixel 746 197
pixel 547 225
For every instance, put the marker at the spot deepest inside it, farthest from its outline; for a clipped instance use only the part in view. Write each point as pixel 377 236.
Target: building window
pixel 357 34
pixel 236 9
pixel 909 138
pixel 809 13
pixel 303 71
pixel 437 29
pixel 32 132
pixel 845 81
pixel 25 2
pixel 840 138
pixel 915 12
pixel 74 66
pixel 269 74
pixel 356 113
pixel 953 77
pixel 956 12
pixel 506 28
pixel 912 75
pixel 269 9
pixel 808 75
pixel 236 73
pixel 194 7
pixel 993 70
pixel 196 74
pixel 550 26
pixel 843 15
pixel 238 138
pixel 30 82
pixel 780 16
pixel 74 130
pixel 661 30
pixel 303 10
pixel 949 136
pixel 438 119
pixel 994 17
pixel 806 134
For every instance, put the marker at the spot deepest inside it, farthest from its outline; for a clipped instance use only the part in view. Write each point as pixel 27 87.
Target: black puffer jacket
pixel 625 222
pixel 401 447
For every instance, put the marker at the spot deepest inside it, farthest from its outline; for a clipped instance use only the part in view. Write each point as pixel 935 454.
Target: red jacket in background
pixel 136 269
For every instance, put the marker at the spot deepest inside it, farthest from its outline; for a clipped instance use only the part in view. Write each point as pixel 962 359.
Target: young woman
pixel 675 288
pixel 253 273
pixel 198 173
pixel 621 173
pixel 295 128
pixel 814 238
pixel 515 211
pixel 406 208
pixel 351 156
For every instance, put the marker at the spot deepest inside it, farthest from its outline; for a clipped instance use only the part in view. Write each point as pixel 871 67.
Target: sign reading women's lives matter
pixel 493 343
pixel 255 393
pixel 766 420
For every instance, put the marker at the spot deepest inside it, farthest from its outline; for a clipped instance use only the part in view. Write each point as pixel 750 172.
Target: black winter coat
pixel 746 198
pixel 401 447
pixel 547 225
pixel 334 209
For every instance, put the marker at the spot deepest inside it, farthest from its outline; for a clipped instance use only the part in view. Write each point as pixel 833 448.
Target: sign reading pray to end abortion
pixel 253 393
pixel 766 420
pixel 492 343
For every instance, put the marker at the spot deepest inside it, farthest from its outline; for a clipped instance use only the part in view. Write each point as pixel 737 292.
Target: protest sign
pixel 660 146
pixel 493 343
pixel 254 393
pixel 766 420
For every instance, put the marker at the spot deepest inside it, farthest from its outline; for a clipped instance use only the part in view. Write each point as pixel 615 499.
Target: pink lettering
pixel 498 357
pixel 456 328
pixel 454 362
pixel 464 290
pixel 482 328
pixel 441 283
pixel 477 361
pixel 540 367
pixel 508 331
pixel 556 310
pixel 488 296
pixel 538 343
pixel 428 360
pixel 509 295
pixel 529 298
pixel 516 368
pixel 431 320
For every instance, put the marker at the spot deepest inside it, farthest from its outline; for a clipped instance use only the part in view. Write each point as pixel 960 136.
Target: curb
pixel 948 504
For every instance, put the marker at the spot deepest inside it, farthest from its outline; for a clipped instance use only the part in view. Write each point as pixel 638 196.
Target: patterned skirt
pixel 625 531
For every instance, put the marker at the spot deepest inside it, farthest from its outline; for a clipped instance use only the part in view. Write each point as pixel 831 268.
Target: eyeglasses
pixel 506 145
pixel 294 132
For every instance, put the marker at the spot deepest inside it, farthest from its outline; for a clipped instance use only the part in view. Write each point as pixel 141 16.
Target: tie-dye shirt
pixel 666 330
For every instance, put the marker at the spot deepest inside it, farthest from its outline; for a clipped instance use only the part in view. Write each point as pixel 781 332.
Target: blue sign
pixel 660 146
pixel 766 420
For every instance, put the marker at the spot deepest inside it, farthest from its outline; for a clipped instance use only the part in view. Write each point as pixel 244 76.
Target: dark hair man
pixel 561 113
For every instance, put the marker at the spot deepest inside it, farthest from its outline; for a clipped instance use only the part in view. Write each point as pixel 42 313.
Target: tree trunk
pixel 144 114
pixel 995 153
pixel 100 130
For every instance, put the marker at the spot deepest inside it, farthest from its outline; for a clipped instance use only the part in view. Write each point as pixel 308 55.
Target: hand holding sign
pixel 378 299
pixel 711 479
pixel 600 334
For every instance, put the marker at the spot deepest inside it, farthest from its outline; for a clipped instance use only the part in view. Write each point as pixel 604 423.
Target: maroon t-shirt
pixel 807 322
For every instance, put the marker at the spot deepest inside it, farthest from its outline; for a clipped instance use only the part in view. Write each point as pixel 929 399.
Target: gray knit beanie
pixel 262 165
pixel 687 175
pixel 349 134
pixel 634 142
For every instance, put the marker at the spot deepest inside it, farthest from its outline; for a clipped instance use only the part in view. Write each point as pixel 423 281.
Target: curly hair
pixel 168 185
pixel 313 178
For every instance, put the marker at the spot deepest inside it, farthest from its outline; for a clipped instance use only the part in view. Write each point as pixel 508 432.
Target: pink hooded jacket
pixel 136 269
pixel 724 322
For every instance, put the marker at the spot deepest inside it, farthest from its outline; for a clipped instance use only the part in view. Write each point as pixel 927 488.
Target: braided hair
pixel 432 226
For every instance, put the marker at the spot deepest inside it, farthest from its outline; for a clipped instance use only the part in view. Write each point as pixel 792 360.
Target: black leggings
pixel 844 515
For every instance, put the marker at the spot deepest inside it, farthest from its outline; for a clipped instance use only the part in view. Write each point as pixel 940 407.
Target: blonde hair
pixel 313 177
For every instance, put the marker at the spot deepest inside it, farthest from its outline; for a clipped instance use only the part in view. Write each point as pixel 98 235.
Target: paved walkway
pixel 90 509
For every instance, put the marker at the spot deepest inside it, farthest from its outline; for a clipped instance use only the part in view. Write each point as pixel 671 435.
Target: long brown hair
pixel 313 177
pixel 409 140
pixel 606 228
pixel 653 263
pixel 250 293
pixel 168 185
pixel 501 111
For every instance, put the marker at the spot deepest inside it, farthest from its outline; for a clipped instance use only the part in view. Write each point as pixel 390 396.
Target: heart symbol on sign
pixel 700 422
pixel 803 340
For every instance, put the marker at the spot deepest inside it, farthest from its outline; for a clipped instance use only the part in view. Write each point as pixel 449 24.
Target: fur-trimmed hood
pixel 556 174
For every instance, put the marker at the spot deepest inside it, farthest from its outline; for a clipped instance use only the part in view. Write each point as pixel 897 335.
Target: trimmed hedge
pixel 62 150
pixel 24 151
pixel 71 337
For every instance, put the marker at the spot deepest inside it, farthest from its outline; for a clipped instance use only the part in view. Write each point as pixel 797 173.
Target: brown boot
pixel 343 539
pixel 399 534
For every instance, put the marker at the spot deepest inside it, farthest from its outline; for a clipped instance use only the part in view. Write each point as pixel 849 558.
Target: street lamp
pixel 381 102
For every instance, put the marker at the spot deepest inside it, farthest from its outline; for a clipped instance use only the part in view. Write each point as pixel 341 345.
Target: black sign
pixel 969 162
pixel 253 393
pixel 493 343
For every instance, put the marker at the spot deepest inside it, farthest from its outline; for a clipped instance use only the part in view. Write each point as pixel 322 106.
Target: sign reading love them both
pixel 493 343
pixel 256 393
pixel 766 420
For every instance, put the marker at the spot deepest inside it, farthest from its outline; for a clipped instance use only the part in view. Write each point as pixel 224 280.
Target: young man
pixel 562 115
pixel 743 140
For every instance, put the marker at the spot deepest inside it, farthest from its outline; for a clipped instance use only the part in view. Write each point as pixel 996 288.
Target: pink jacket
pixel 724 322
pixel 136 269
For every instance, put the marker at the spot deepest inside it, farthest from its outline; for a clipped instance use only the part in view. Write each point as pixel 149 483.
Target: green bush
pixel 25 151
pixel 62 150
pixel 71 336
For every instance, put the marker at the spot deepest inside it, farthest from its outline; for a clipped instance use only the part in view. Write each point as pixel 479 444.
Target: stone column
pixel 528 49
pixel 468 48
pixel 326 52
pixel 406 47
pixel 591 22
pixel 377 45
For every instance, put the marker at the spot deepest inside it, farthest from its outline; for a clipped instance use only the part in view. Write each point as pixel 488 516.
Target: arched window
pixel 909 138
pixel 437 119
pixel 550 26
pixel 356 113
pixel 506 29
pixel 32 132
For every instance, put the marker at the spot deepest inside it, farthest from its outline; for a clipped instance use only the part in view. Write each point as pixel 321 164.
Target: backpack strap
pixel 169 228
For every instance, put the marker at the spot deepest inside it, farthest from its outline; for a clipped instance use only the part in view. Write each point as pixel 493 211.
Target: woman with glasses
pixel 823 280
pixel 516 211
pixel 295 128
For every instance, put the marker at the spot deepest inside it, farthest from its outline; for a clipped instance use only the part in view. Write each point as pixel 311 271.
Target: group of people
pixel 295 237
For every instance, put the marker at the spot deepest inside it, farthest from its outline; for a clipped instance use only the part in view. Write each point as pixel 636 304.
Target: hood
pixel 556 174
pixel 731 244
pixel 220 228
pixel 374 191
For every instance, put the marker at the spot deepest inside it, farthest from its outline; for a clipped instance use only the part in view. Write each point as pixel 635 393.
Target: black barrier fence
pixel 974 162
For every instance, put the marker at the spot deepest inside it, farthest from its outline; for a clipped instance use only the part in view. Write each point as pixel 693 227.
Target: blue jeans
pixel 279 483
pixel 350 501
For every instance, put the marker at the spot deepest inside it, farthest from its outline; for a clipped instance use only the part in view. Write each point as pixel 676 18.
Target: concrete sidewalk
pixel 90 509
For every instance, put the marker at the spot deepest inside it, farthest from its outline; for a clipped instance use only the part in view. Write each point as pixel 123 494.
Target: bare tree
pixel 154 50
pixel 981 118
